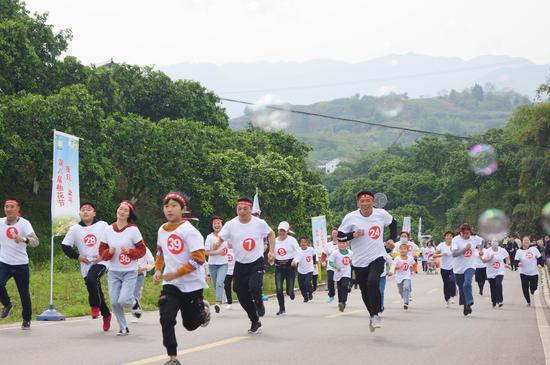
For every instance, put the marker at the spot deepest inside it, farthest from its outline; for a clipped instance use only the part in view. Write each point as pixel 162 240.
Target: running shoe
pixel 291 296
pixel 260 308
pixel 95 312
pixel 106 323
pixel 6 311
pixel 330 300
pixel 206 313
pixel 341 307
pixel 26 325
pixel 255 328
pixel 500 305
pixel 405 306
pixel 172 362
pixel 281 312
pixel 228 307
pixel 217 308
pixel 124 332
pixel 371 325
pixel 376 321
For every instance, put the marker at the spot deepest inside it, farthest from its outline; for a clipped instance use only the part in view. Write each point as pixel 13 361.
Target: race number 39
pixel 375 232
pixel 249 244
pixel 175 244
pixel 12 232
pixel 90 240
pixel 124 259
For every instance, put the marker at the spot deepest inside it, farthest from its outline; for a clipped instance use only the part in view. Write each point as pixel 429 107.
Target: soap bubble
pixel 546 218
pixel 493 224
pixel 483 159
pixel 270 113
pixel 389 102
pixel 380 200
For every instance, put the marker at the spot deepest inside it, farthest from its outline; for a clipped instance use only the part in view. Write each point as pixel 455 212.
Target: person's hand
pixel 323 264
pixel 294 264
pixel 509 267
pixel 19 239
pixel 111 250
pixel 125 250
pixel 270 256
pixel 97 259
pixel 359 233
pixel 83 259
pixel 156 277
pixel 480 253
pixel 397 267
pixel 389 273
pixel 539 266
pixel 520 264
pixel 169 276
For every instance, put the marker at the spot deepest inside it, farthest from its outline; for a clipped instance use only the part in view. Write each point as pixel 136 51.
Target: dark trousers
pixel 304 282
pixel 424 266
pixel 228 290
pixel 496 289
pixel 513 262
pixel 191 306
pixel 330 283
pixel 20 274
pixel 529 283
pixel 314 279
pixel 449 284
pixel 284 273
pixel 369 283
pixel 248 280
pixel 93 284
pixel 481 277
pixel 343 286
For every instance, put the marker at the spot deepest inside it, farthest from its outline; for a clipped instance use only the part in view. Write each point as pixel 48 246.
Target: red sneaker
pixel 95 312
pixel 107 323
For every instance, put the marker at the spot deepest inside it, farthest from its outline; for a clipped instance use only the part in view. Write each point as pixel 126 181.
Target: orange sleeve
pixel 138 251
pixel 197 260
pixel 159 262
pixel 104 251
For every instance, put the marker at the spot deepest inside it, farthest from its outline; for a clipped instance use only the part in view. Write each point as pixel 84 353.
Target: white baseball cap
pixel 284 226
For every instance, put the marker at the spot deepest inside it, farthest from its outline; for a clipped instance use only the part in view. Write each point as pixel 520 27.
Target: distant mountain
pixel 318 80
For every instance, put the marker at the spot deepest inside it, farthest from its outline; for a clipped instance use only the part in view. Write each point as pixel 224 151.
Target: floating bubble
pixel 380 200
pixel 389 102
pixel 483 159
pixel 270 113
pixel 493 224
pixel 546 218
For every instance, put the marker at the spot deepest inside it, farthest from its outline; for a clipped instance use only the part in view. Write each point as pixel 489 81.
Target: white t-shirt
pixel 147 261
pixel 315 265
pixel 304 258
pixel 287 249
pixel 469 258
pixel 447 258
pixel 328 250
pixel 86 239
pixel 370 246
pixel 496 265
pixel 220 259
pixel 230 261
pixel 403 268
pixel 528 259
pixel 387 266
pixel 176 247
pixel 128 237
pixel 428 252
pixel 342 262
pixel 247 239
pixel 11 252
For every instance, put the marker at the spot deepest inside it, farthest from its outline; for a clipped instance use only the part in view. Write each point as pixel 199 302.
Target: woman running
pixel 481 270
pixel 286 249
pixel 217 260
pixel 495 258
pixel 527 260
pixel 122 245
pixel 444 252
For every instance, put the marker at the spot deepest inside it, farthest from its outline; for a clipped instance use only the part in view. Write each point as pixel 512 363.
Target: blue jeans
pixel 464 283
pixel 139 284
pixel 217 273
pixel 382 286
pixel 121 293
pixel 405 290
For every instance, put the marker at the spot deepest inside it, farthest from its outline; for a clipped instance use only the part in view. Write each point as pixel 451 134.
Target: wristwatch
pixel 27 240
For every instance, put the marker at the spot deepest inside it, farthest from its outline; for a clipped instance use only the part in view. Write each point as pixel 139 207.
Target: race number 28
pixel 90 240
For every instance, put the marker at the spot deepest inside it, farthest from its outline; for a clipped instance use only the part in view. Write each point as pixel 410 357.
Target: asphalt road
pixel 314 333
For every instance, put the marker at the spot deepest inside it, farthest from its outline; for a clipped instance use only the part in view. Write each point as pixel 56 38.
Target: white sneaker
pixel 448 303
pixel 228 307
pixel 376 321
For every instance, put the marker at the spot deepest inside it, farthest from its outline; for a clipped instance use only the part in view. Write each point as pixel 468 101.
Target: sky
pixel 165 32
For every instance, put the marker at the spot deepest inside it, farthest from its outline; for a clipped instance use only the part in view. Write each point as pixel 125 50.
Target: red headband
pixel 244 203
pixel 87 206
pixel 216 219
pixel 363 196
pixel 177 197
pixel 128 204
pixel 12 202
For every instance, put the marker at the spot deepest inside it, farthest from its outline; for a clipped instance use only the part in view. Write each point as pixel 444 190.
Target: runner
pixel 340 260
pixel 527 261
pixel 495 257
pixel 16 233
pixel 304 262
pixel 444 252
pixel 286 249
pixel 217 260
pixel 383 277
pixel 228 283
pixel 364 229
pixel 315 276
pixel 403 269
pixel 85 236
pixel 181 254
pixel 327 251
pixel 481 269
pixel 145 264
pixel 122 245
pixel 247 233
pixel 465 249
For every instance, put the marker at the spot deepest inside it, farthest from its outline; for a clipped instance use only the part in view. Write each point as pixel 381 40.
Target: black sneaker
pixel 341 307
pixel 26 325
pixel 306 300
pixel 255 328
pixel 310 296
pixel 260 308
pixel 206 313
pixel 281 312
pixel 405 306
pixel 125 332
pixel 6 311
pixel 500 305
pixel 291 296
pixel 465 310
pixel 217 308
pixel 172 362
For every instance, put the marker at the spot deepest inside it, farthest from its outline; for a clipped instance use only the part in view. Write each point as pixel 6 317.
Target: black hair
pixel 183 195
pixel 465 226
pixel 407 233
pixel 212 222
pixel 132 216
pixel 245 199
pixel 449 232
pixel 364 192
pixel 87 203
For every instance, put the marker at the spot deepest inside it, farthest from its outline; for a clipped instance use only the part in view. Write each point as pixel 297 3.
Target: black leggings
pixel 20 274
pixel 529 283
pixel 193 315
pixel 343 289
pixel 314 279
pixel 449 284
pixel 330 283
pixel 93 284
pixel 481 277
pixel 228 290
pixel 496 289
pixel 248 279
pixel 369 283
pixel 284 272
